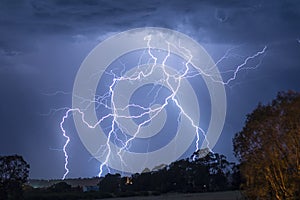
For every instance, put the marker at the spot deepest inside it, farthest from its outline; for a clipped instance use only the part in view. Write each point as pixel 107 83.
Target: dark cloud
pixel 214 21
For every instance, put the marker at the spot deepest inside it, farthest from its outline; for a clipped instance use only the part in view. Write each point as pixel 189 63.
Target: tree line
pixel 195 174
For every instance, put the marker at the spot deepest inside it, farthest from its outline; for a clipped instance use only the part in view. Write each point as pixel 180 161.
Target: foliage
pixel 268 148
pixel 13 174
pixel 196 174
pixel 110 183
pixel 61 187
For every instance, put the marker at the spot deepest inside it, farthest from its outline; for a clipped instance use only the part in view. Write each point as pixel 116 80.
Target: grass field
pixel 228 195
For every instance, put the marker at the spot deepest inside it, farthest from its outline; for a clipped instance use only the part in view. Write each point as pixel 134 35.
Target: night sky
pixel 43 44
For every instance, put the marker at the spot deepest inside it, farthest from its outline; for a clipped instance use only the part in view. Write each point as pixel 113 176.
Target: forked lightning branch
pixel 138 86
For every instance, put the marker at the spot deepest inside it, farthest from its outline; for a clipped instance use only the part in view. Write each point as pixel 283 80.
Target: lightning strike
pixel 239 67
pixel 173 81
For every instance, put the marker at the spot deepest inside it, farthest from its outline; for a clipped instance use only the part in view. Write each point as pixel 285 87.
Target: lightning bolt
pixel 173 81
pixel 239 67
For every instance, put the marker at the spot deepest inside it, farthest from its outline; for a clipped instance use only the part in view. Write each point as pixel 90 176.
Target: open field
pixel 228 195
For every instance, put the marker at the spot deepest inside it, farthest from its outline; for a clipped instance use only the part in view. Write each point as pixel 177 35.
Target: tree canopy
pixel 195 174
pixel 268 148
pixel 14 172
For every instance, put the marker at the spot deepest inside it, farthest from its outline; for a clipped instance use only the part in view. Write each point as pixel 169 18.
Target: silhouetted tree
pixel 159 180
pixel 110 183
pixel 177 175
pixel 268 148
pixel 215 170
pixel 61 187
pixel 236 178
pixel 13 174
pixel 143 181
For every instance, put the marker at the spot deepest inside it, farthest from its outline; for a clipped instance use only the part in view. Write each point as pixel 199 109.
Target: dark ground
pixel 228 195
